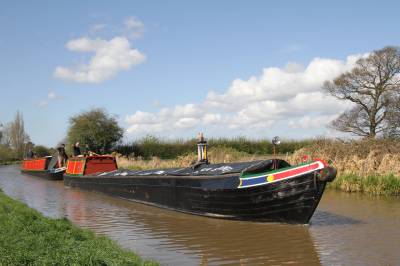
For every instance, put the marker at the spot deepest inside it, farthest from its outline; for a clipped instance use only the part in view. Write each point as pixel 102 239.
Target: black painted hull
pixel 291 200
pixel 46 174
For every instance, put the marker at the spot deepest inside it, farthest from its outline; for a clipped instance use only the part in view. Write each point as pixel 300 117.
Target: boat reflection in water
pixel 181 239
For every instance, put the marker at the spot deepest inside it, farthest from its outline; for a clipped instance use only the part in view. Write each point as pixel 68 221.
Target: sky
pixel 175 68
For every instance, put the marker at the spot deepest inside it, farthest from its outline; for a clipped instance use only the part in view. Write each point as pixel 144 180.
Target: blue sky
pixel 173 68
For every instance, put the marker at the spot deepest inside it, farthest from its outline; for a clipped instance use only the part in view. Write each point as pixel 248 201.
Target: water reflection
pixel 176 238
pixel 341 229
pixel 324 218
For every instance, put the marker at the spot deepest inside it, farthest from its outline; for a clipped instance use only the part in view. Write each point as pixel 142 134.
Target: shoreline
pixel 379 185
pixel 28 237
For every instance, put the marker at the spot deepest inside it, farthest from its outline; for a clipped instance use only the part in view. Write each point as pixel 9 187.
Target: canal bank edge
pixel 28 237
pixel 387 185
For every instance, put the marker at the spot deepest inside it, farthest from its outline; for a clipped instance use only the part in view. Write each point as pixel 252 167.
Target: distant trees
pixel 95 128
pixel 14 138
pixel 17 135
pixel 41 151
pixel 373 85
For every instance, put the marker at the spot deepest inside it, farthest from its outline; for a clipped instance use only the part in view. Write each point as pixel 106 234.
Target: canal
pixel 347 229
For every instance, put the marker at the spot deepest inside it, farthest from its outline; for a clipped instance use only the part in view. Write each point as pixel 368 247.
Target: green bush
pixel 7 154
pixel 170 149
pixel 41 151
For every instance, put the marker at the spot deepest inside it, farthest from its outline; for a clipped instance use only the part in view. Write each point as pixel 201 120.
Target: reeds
pixel 372 184
pixel 215 155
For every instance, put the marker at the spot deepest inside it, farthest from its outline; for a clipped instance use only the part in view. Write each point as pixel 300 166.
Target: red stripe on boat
pixel 296 171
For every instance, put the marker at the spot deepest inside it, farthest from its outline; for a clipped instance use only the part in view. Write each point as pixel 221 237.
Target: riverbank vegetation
pixel 29 238
pixel 151 146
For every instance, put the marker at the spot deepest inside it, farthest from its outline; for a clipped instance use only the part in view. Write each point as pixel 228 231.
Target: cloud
pixel 308 122
pixel 291 96
pixel 97 27
pixel 134 27
pixel 110 57
pixel 51 96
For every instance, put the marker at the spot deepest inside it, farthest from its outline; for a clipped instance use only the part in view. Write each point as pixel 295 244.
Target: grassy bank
pixel 373 184
pixel 9 162
pixel 29 238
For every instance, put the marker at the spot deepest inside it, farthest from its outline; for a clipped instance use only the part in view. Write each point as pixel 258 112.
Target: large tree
pixel 373 85
pixel 95 128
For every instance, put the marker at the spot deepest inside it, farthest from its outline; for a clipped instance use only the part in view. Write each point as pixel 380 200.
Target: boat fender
pixel 327 174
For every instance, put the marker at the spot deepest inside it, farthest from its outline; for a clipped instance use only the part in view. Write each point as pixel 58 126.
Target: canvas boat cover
pixel 204 169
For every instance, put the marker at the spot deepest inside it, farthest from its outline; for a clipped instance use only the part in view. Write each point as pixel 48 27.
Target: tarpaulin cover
pixel 204 169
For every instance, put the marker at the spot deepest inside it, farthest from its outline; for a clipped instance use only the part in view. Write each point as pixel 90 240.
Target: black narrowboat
pixel 45 167
pixel 264 191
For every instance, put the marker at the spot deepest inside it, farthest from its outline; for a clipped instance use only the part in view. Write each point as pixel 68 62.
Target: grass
pixel 372 184
pixel 29 238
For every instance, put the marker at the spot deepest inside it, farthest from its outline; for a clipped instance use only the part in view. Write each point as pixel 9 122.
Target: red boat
pixel 46 167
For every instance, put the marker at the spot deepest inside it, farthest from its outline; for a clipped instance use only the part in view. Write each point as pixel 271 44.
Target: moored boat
pixel 266 191
pixel 46 167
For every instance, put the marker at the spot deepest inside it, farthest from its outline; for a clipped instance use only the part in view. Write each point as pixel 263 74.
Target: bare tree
pixel 17 135
pixel 393 119
pixel 372 85
pixel 1 132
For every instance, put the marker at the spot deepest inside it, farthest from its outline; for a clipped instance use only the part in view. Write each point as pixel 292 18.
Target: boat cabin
pixel 36 164
pixel 90 165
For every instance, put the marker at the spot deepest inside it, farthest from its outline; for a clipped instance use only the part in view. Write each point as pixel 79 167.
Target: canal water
pixel 347 229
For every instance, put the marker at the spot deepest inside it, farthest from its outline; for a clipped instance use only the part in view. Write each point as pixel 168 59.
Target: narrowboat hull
pixel 290 200
pixel 46 174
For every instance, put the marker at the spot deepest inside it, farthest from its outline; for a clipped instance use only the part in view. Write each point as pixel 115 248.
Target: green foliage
pixel 170 149
pixel 29 238
pixel 41 151
pixel 7 154
pixel 95 128
pixel 372 184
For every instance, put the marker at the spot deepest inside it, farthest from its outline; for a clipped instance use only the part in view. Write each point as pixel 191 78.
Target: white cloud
pixel 291 95
pixel 134 27
pixel 97 27
pixel 110 57
pixel 51 96
pixel 308 122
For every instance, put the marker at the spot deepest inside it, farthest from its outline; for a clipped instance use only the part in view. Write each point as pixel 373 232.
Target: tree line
pixel 95 130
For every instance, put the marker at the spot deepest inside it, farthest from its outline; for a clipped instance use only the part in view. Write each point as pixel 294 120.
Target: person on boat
pixel 76 150
pixel 30 154
pixel 61 155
